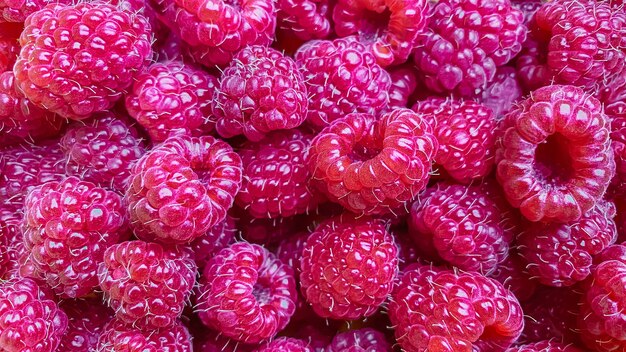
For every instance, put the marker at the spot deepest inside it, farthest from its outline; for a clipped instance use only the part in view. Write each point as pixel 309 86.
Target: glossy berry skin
pixel 259 92
pixel 118 337
pixel 341 77
pixel 102 150
pixel 466 133
pixel 276 176
pixel 554 160
pixel 31 320
pixel 373 167
pixel 502 94
pixel 17 10
pixel 464 225
pixel 361 340
pixel 514 276
pixel 147 284
pixel 246 293
pixel 389 28
pixel 84 73
pixel 183 187
pixel 442 310
pixel 305 19
pixel 403 85
pixel 451 56
pixel 87 319
pixel 545 346
pixel 285 344
pixel 348 266
pixel 217 237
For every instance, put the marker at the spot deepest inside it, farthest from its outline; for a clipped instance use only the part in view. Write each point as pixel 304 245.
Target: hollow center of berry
pixel 261 293
pixel 553 160
pixel 374 24
pixel 362 152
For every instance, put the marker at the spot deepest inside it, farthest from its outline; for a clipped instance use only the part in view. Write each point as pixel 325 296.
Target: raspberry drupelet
pixel 545 346
pixel 373 166
pixel 119 337
pixel 217 237
pixel 87 319
pixel 361 340
pixel 403 85
pixel 285 344
pixel 183 187
pixel 305 19
pixel 503 93
pixel 554 159
pixel 18 10
pixel 514 276
pixel 9 45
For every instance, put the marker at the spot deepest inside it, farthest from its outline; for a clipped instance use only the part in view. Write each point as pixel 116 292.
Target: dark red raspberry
pixel 614 252
pixel 269 232
pixel 290 250
pixel 9 45
pixel 528 7
pixel 18 10
pixel 67 227
pixel 388 28
pixel 554 159
pixel 172 98
pixel 259 92
pixel 408 251
pixel 31 321
pixel 205 340
pixel 562 254
pixel 466 42
pixel 341 77
pixel 86 71
pixel 361 340
pixel 403 84
pixel 147 284
pixel 545 346
pixel 87 319
pixel 20 120
pixel 503 93
pixel 348 267
pixel 285 344
pixel 246 293
pixel 466 132
pixel 373 167
pixel 215 30
pixel 102 150
pixel 118 337
pixel 305 19
pixel 217 237
pixel 512 274
pixel 551 315
pixel 182 188
pixel 442 310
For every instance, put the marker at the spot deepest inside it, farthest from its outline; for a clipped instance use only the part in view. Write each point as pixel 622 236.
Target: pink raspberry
pixel 389 28
pixel 528 64
pixel 348 267
pixel 545 346
pixel 503 93
pixel 102 150
pixel 259 92
pixel 31 321
pixel 9 46
pixel 182 188
pixel 217 237
pixel 466 132
pixel 276 177
pixel 285 344
pixel 442 310
pixel 373 167
pixel 290 250
pixel 172 98
pixel 147 284
pixel 305 19
pixel 18 10
pixel 554 160
pixel 246 293
pixel 87 319
pixel 463 225
pixel 341 77
pixel 551 315
pixel 528 7
pixel 403 85
pixel 215 30
pixel 453 59
pixel 118 337
pixel 86 71
pixel 361 340
pixel 67 227
pixel 514 276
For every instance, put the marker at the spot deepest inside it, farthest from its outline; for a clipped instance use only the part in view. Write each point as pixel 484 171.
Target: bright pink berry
pixel 118 337
pixel 341 77
pixel 259 92
pixel 373 167
pixel 77 73
pixel 503 93
pixel 182 188
pixel 87 319
pixel 361 340
pixel 217 237
pixel 18 10
pixel 246 293
pixel 403 84
pixel 285 344
pixel 147 284
pixel 545 346
pixel 172 98
pixel 554 160
pixel 305 19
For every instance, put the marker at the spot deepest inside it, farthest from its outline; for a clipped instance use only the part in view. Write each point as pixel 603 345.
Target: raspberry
pixel 453 59
pixel 118 337
pixel 554 160
pixel 373 167
pixel 9 46
pixel 147 284
pixel 259 92
pixel 102 150
pixel 562 254
pixel 442 310
pixel 463 225
pixel 285 344
pixel 172 98
pixel 18 10
pixel 501 95
pixel 532 74
pixel 217 237
pixel 348 267
pixel 246 293
pixel 268 232
pixel 20 120
pixel 212 341
pixel 305 19
pixel 403 84
pixel 408 252
pixel 389 28
pixel 67 227
pixel 182 188
pixel 512 274
pixel 613 252
pixel 465 131
pixel 544 346
pixel 361 340
pixel 341 77
pixel 87 318
pixel 31 321
pixel 216 30
pixel 528 7
pixel 551 315
pixel 86 71
pixel 290 250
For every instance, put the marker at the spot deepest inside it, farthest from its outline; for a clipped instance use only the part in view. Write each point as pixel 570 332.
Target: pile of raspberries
pixel 312 176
